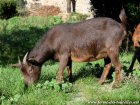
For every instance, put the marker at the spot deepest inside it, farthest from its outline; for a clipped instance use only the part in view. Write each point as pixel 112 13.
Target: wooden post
pixel 68 6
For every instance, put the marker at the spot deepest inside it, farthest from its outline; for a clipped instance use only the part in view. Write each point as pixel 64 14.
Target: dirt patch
pixel 77 98
pixel 44 11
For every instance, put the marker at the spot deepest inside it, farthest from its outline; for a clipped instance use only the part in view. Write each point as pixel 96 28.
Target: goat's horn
pixel 19 61
pixel 25 58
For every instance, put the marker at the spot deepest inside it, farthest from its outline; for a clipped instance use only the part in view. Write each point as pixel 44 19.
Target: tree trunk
pixel 68 6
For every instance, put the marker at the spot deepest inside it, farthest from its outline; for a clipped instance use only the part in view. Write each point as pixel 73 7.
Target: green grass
pixel 18 35
pixel 84 90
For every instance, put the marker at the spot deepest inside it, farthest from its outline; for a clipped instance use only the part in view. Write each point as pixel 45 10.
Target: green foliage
pixel 133 10
pixel 76 17
pixel 21 4
pixel 54 20
pixel 136 73
pixel 19 35
pixel 46 93
pixel 133 14
pixel 7 9
pixel 65 87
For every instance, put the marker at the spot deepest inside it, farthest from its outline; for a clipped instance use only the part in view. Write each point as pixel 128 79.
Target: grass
pixel 18 35
pixel 83 91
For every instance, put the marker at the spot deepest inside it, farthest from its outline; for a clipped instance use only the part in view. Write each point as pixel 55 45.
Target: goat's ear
pixel 15 65
pixel 19 64
pixel 31 60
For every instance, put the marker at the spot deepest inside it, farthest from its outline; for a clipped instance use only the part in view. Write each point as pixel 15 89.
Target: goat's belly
pixel 83 59
pixel 88 58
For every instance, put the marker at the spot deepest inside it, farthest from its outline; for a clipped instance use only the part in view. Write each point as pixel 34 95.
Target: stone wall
pixel 82 6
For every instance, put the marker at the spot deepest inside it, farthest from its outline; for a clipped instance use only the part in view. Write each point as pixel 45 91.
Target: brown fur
pixel 136 36
pixel 85 41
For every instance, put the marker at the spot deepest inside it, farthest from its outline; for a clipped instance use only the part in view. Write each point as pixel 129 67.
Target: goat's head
pixel 30 70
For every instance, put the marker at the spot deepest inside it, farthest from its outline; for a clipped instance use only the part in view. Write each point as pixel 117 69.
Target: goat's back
pixel 97 31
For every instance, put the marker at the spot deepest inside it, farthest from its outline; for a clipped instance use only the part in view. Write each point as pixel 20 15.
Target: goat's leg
pixel 69 68
pixel 107 67
pixel 132 64
pixel 63 63
pixel 138 58
pixel 137 54
pixel 114 56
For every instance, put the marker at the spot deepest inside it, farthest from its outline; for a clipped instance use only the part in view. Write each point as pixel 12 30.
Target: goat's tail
pixel 123 17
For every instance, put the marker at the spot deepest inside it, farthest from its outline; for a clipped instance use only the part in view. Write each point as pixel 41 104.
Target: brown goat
pixel 85 41
pixel 136 41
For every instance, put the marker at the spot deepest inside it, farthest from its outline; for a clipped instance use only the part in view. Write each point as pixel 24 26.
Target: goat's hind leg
pixel 106 70
pixel 69 69
pixel 114 56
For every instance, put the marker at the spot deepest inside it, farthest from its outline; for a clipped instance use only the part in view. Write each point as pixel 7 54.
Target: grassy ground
pixel 83 91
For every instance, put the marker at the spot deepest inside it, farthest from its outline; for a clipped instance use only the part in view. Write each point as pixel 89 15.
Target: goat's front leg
pixel 132 64
pixel 137 53
pixel 63 63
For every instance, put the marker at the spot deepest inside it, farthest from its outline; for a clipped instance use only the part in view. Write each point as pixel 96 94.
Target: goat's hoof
pixel 60 81
pixel 100 82
pixel 116 85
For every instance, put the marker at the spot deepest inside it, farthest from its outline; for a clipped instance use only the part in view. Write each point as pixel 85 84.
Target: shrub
pixel 7 9
pixel 53 84
pixel 76 17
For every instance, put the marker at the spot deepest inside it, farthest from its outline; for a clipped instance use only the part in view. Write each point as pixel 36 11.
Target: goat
pixel 136 41
pixel 89 40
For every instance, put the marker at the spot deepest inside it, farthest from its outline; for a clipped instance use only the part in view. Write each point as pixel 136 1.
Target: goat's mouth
pixel 26 85
pixel 30 83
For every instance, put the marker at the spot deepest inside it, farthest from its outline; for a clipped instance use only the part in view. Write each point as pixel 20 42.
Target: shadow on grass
pixel 47 78
pixel 18 42
pixel 95 70
pixel 91 70
pixel 88 70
